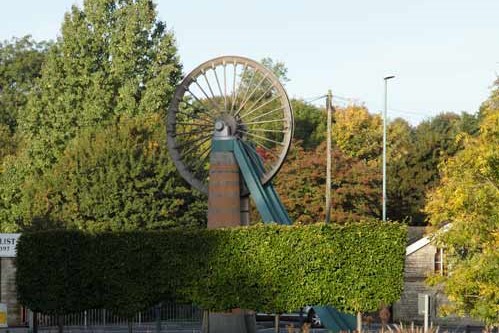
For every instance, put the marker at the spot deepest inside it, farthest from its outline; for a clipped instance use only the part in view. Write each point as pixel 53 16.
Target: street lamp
pixel 386 78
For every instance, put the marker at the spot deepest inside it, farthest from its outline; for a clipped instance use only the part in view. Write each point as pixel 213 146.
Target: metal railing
pixel 165 312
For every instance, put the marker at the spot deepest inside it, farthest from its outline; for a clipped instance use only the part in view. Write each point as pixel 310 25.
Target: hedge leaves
pixel 270 268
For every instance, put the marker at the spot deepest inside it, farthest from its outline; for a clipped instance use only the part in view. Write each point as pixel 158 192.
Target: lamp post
pixel 386 78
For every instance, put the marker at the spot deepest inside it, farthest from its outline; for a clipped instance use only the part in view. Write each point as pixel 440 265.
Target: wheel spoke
pixel 192 132
pixel 248 87
pixel 209 87
pixel 199 162
pixel 225 85
pixel 206 95
pixel 265 114
pixel 194 124
pixel 188 142
pixel 262 96
pixel 196 145
pixel 207 120
pixel 268 130
pixel 262 138
pixel 219 88
pixel 247 99
pixel 197 99
pixel 233 87
pixel 239 86
pixel 267 121
pixel 261 106
pixel 266 148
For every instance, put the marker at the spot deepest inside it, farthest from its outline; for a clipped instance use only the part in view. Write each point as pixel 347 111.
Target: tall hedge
pixel 354 267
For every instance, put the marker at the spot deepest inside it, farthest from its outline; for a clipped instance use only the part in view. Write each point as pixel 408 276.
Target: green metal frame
pixel 266 198
pixel 271 210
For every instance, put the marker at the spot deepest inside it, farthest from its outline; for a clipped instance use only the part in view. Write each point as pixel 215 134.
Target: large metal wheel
pixel 243 94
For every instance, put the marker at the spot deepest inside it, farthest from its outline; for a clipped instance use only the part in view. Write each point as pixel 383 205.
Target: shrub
pixel 271 268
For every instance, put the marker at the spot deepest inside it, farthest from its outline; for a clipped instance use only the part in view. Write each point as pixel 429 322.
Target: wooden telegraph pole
pixel 329 110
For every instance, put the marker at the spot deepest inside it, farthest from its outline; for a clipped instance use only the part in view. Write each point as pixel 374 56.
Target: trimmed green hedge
pixel 269 268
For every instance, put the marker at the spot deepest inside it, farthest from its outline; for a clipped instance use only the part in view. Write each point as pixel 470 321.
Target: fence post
pixel 60 324
pixel 35 322
pixel 157 313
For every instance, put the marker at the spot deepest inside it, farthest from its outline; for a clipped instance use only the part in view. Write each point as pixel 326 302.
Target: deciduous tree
pixel 114 59
pixel 118 177
pixel 468 198
pixel 20 65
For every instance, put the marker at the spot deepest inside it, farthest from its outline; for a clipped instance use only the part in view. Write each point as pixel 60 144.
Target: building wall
pixel 418 266
pixel 8 294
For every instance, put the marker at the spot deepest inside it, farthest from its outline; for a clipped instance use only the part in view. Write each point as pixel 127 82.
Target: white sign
pixel 8 245
pixel 3 315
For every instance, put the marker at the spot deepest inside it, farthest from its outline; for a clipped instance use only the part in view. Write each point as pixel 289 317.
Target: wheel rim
pixel 246 96
pixel 316 321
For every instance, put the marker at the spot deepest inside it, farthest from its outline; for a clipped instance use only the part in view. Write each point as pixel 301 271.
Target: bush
pixel 271 268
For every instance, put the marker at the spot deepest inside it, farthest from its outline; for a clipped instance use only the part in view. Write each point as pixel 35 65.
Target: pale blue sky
pixel 445 53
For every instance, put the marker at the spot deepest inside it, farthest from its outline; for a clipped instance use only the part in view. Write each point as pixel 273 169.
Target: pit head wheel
pixel 237 95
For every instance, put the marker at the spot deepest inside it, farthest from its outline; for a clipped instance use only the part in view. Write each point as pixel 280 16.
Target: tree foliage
pixel 21 61
pixel 119 177
pixel 468 198
pixel 433 141
pixel 403 202
pixel 301 184
pixel 113 57
pixel 278 68
pixel 310 123
pixel 114 61
pixel 357 133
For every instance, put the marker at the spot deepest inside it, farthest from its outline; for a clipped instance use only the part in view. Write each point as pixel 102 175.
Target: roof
pixel 424 240
pixel 417 245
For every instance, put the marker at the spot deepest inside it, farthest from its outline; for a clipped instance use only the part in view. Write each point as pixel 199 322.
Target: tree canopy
pixel 21 61
pixel 88 125
pixel 118 178
pixel 112 58
pixel 468 199
pixel 116 60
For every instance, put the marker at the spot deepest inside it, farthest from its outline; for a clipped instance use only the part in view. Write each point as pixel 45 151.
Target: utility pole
pixel 329 110
pixel 384 144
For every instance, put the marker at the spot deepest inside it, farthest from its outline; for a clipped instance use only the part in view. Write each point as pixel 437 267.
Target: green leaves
pixel 114 63
pixel 113 58
pixel 468 197
pixel 117 177
pixel 271 268
pixel 20 65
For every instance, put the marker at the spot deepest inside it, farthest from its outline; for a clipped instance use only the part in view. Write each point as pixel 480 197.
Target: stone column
pixel 8 293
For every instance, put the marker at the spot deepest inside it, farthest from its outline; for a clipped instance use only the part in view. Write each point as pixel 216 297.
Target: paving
pixel 151 328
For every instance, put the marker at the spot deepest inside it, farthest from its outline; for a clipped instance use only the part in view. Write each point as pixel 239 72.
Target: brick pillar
pixel 8 293
pixel 227 209
pixel 224 203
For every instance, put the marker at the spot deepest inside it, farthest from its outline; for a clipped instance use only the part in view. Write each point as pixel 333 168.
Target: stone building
pixel 422 259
